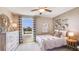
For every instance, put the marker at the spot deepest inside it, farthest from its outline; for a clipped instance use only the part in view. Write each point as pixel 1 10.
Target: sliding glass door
pixel 27 30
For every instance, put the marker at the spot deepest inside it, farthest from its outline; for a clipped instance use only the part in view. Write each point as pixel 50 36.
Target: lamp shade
pixel 71 34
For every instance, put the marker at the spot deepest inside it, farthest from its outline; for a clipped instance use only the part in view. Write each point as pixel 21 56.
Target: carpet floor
pixel 60 49
pixel 35 47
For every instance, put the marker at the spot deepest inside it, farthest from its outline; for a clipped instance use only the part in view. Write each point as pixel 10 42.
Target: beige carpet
pixel 28 47
pixel 28 44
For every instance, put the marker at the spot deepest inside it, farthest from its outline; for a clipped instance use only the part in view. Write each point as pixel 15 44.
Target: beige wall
pixel 4 10
pixel 73 19
pixel 39 24
pixel 13 18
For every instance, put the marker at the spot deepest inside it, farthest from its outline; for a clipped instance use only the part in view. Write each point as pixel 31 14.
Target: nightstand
pixel 72 44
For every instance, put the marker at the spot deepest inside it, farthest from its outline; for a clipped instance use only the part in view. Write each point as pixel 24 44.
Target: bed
pixel 50 42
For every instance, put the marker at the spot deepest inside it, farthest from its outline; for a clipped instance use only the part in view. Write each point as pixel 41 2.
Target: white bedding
pixel 49 41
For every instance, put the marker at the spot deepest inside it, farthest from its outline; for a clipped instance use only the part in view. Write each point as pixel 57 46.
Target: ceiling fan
pixel 42 9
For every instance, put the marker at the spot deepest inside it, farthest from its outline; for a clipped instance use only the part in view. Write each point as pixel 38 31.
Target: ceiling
pixel 27 11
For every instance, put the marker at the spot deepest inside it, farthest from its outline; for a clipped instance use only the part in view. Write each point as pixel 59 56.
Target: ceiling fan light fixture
pixel 41 10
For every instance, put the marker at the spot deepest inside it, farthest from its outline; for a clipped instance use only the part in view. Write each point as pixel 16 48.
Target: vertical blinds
pixel 20 30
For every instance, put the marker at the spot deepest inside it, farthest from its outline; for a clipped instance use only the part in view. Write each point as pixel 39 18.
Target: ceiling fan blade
pixel 48 10
pixel 34 9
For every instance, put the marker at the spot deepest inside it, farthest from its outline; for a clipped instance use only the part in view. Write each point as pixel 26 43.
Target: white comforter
pixel 49 41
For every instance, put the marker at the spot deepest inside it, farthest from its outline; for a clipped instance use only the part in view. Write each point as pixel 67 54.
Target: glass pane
pixel 27 32
pixel 27 25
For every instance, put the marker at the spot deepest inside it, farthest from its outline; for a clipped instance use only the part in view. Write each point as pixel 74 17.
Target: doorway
pixel 27 30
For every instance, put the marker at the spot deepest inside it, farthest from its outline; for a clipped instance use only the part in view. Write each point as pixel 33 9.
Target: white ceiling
pixel 27 11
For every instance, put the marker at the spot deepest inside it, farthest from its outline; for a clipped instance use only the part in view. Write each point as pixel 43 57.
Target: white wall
pixel 40 21
pixel 73 19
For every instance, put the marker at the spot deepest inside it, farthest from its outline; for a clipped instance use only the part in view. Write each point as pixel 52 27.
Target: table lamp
pixel 71 35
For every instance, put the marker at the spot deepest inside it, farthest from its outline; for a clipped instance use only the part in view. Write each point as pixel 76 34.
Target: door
pixel 27 30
